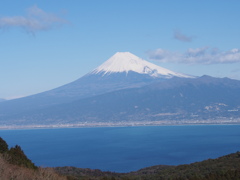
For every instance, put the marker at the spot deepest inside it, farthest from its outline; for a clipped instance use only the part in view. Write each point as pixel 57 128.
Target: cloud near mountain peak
pixel 203 55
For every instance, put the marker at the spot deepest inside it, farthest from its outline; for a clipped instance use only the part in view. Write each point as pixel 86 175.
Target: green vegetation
pixel 15 155
pixel 223 168
pixel 15 165
pixel 3 146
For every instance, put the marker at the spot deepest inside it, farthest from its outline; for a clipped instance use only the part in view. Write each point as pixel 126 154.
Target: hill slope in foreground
pixel 16 166
pixel 225 167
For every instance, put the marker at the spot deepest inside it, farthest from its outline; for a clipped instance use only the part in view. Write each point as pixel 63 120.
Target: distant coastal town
pixel 223 121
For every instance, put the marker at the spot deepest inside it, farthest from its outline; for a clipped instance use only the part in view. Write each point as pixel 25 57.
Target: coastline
pixel 123 124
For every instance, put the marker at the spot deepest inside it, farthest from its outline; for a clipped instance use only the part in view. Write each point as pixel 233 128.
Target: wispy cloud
pixel 204 55
pixel 35 20
pixel 178 35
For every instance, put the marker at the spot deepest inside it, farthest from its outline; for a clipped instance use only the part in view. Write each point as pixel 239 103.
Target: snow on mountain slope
pixel 126 61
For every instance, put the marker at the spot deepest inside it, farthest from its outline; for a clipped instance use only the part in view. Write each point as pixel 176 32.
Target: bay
pixel 125 149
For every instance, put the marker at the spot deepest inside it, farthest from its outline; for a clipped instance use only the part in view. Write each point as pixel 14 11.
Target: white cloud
pixel 35 20
pixel 181 37
pixel 204 55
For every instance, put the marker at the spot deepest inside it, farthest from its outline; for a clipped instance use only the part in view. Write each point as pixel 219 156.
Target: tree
pixel 18 157
pixel 3 146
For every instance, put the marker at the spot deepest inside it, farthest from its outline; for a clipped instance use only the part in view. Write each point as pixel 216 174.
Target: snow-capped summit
pixel 126 62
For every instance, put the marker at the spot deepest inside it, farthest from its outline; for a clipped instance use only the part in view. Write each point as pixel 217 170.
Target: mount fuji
pixel 127 90
pixel 124 62
pixel 122 70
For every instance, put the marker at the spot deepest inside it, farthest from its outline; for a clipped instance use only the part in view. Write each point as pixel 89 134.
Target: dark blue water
pixel 124 149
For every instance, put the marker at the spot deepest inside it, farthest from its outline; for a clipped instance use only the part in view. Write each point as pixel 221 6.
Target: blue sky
pixel 45 44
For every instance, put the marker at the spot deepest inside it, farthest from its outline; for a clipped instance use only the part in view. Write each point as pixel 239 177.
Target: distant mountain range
pixel 126 90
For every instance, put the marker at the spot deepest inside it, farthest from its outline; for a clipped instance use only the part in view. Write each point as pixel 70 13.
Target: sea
pixel 124 149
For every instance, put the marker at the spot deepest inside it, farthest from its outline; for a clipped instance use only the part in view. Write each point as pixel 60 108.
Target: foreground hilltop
pixel 15 165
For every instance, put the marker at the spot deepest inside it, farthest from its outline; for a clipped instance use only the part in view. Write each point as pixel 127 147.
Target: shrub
pixel 3 146
pixel 17 157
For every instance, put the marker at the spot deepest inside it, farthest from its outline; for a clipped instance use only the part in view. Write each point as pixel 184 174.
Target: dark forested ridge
pixel 223 168
pixel 15 165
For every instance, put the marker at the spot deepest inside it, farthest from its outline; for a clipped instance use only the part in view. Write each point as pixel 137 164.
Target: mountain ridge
pixel 176 101
pixel 221 168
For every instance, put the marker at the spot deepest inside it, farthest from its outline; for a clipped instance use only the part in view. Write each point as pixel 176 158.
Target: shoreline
pixel 120 124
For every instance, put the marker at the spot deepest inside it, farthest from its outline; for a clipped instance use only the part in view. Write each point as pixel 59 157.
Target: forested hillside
pixel 15 165
pixel 223 168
